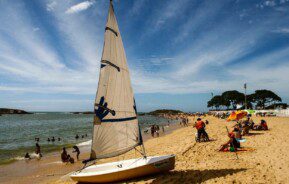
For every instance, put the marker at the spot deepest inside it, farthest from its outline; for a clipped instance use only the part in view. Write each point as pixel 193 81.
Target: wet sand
pixel 266 160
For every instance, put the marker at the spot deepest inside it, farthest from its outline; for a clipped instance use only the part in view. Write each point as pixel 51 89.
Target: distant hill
pixel 13 111
pixel 164 111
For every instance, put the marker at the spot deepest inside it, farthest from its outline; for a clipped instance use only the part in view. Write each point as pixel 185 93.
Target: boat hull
pixel 113 172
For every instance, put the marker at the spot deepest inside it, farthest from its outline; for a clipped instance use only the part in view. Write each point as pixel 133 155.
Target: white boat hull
pixel 124 170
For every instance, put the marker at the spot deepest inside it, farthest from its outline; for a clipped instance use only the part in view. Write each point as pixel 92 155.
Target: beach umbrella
pixel 235 116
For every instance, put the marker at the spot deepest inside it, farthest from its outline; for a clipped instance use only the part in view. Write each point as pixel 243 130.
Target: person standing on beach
pixel 38 150
pixel 76 150
pixel 153 130
pixel 157 130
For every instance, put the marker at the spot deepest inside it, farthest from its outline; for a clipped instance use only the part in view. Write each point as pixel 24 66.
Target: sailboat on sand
pixel 115 126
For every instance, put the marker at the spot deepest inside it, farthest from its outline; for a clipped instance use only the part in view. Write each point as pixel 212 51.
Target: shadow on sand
pixel 189 176
pixel 254 134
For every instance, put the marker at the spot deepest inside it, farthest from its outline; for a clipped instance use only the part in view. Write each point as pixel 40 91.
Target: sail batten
pixel 115 127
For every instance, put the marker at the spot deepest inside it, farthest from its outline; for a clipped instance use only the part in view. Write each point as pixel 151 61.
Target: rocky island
pixel 13 111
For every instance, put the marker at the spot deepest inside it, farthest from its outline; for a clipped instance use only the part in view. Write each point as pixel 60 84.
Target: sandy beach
pixel 266 160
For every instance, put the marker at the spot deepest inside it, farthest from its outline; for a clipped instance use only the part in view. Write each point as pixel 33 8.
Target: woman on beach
pixel 231 145
pixel 263 126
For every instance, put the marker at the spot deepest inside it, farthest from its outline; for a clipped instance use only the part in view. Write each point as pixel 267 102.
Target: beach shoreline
pixel 265 161
pixel 53 158
pixel 18 133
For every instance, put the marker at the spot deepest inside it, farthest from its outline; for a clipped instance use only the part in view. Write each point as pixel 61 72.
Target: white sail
pixel 115 129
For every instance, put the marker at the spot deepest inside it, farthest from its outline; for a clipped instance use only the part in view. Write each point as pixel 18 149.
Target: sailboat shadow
pixel 189 176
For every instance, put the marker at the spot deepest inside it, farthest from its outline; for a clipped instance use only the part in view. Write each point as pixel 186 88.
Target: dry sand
pixel 266 162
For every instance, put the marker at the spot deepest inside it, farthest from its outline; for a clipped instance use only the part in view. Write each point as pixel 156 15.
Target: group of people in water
pixel 53 139
pixel 65 157
pixel 82 136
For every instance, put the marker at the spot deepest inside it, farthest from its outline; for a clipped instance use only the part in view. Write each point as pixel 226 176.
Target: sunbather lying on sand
pixel 263 126
pixel 232 144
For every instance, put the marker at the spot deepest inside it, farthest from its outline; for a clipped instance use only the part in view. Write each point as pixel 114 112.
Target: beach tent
pixel 235 116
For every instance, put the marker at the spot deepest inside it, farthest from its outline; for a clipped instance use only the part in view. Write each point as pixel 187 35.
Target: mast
pixel 115 127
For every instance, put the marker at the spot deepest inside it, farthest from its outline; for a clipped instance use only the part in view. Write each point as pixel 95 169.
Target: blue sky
pixel 178 51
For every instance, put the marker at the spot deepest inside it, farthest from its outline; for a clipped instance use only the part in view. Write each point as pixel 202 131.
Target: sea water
pixel 18 132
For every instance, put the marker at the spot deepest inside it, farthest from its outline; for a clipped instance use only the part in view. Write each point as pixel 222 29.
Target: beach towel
pixel 241 140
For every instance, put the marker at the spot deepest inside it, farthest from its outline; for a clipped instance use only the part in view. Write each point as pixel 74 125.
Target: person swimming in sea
pixel 59 139
pixel 53 139
pixel 48 139
pixel 27 156
pixel 77 136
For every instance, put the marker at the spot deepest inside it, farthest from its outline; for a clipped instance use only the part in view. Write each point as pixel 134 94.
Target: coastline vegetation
pixel 260 99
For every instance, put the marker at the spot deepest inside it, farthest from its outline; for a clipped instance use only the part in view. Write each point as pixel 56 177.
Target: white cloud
pixel 31 64
pixel 79 7
pixel 281 30
pixel 270 3
pixel 137 6
pixel 51 6
pixel 35 66
pixel 36 29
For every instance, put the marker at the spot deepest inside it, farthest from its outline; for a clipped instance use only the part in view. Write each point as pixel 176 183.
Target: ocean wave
pixel 86 143
pixel 32 156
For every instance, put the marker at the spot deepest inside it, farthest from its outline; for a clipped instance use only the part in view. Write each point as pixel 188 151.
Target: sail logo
pixel 101 111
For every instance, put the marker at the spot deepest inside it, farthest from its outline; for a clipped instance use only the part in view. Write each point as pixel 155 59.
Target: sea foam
pixel 86 143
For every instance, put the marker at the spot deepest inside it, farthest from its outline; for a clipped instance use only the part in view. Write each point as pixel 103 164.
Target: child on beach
pixel 76 150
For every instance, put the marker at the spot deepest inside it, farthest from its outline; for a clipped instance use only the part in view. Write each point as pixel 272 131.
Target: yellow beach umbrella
pixel 235 116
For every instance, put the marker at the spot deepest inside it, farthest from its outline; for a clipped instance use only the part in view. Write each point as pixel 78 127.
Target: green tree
pixel 233 98
pixel 216 102
pixel 264 97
